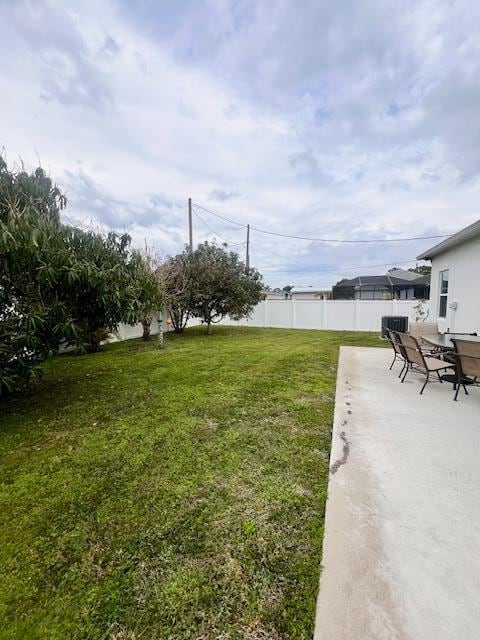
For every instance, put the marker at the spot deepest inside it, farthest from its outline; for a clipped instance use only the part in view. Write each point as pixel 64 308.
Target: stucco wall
pixel 463 263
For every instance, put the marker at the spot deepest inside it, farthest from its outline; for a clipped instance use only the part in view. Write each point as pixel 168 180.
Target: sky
pixel 342 120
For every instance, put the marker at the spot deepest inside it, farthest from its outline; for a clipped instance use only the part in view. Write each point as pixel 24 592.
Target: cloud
pixel 90 199
pixel 220 195
pixel 64 61
pixel 339 120
pixel 110 48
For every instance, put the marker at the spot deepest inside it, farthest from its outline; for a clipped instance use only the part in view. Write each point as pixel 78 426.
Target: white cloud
pixel 326 120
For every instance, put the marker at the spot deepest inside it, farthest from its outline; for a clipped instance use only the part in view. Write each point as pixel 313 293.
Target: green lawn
pixel 174 494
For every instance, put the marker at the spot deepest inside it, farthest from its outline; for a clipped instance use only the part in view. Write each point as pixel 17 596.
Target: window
pixel 374 294
pixel 406 294
pixel 442 309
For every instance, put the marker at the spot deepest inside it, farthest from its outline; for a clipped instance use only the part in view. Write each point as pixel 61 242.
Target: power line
pixel 338 269
pixel 286 258
pixel 285 235
pixel 239 224
pixel 232 244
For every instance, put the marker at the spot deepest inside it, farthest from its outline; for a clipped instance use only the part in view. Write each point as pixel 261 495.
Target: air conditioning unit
pixel 395 323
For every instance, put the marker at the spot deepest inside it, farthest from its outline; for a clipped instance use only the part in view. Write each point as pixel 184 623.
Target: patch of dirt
pixel 346 451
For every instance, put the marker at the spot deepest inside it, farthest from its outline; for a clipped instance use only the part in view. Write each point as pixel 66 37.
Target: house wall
pixel 463 263
pixel 346 315
pixel 309 295
pixel 275 295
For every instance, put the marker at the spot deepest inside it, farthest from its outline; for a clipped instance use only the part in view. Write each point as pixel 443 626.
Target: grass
pixel 176 494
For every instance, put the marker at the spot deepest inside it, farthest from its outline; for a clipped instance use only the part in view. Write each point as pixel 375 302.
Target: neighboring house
pixel 275 294
pixel 455 286
pixel 309 293
pixel 394 285
pixel 296 293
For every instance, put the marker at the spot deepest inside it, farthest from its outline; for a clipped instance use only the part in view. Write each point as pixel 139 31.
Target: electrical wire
pixel 232 244
pixel 339 269
pixel 285 235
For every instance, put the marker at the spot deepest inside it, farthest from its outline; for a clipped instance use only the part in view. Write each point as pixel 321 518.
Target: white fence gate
pixel 339 315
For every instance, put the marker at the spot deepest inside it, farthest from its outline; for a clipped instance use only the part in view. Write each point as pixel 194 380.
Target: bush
pixel 59 284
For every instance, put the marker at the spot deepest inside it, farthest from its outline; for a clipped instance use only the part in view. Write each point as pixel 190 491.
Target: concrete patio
pixel 402 538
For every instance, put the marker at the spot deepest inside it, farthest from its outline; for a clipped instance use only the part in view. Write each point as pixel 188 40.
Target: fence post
pixel 265 313
pixel 355 315
pixel 293 320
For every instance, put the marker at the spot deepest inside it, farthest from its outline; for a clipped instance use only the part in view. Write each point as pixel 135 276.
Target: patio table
pixel 444 342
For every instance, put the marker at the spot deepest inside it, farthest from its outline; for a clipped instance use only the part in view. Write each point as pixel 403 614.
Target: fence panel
pixel 279 314
pixel 308 314
pixel 339 315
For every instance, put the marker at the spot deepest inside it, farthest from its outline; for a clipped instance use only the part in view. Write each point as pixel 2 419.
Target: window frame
pixel 443 294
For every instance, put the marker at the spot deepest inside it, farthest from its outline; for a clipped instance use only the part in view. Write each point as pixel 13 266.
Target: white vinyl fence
pixel 127 331
pixel 339 315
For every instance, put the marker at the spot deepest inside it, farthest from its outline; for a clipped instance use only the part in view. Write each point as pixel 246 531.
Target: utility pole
pixel 247 257
pixel 190 230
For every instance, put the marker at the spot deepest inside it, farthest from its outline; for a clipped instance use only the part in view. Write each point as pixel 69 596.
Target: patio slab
pixel 402 534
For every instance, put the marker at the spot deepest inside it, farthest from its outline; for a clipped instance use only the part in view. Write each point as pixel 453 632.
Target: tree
pixel 219 284
pixel 175 274
pixel 59 284
pixel 20 191
pixel 34 318
pixel 420 309
pixel 423 270
pixel 149 290
pixel 102 287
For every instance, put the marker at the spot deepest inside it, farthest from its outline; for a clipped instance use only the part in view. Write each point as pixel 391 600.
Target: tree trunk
pixel 94 346
pixel 161 342
pixel 93 341
pixel 209 328
pixel 178 321
pixel 146 330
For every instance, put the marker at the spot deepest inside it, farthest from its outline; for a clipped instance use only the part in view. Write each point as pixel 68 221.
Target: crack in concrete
pixel 346 451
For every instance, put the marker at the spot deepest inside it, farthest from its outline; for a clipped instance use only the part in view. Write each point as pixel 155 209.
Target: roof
pixel 307 290
pixel 403 274
pixel 472 231
pixel 386 280
pixel 361 281
pixel 423 280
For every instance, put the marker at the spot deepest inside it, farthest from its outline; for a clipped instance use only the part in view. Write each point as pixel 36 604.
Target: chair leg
pixel 458 385
pixel 405 374
pixel 402 370
pixel 465 389
pixel 439 377
pixel 393 361
pixel 425 383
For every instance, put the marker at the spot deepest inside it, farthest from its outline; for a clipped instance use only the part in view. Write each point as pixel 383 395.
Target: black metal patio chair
pixel 394 340
pixel 467 355
pixel 419 361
